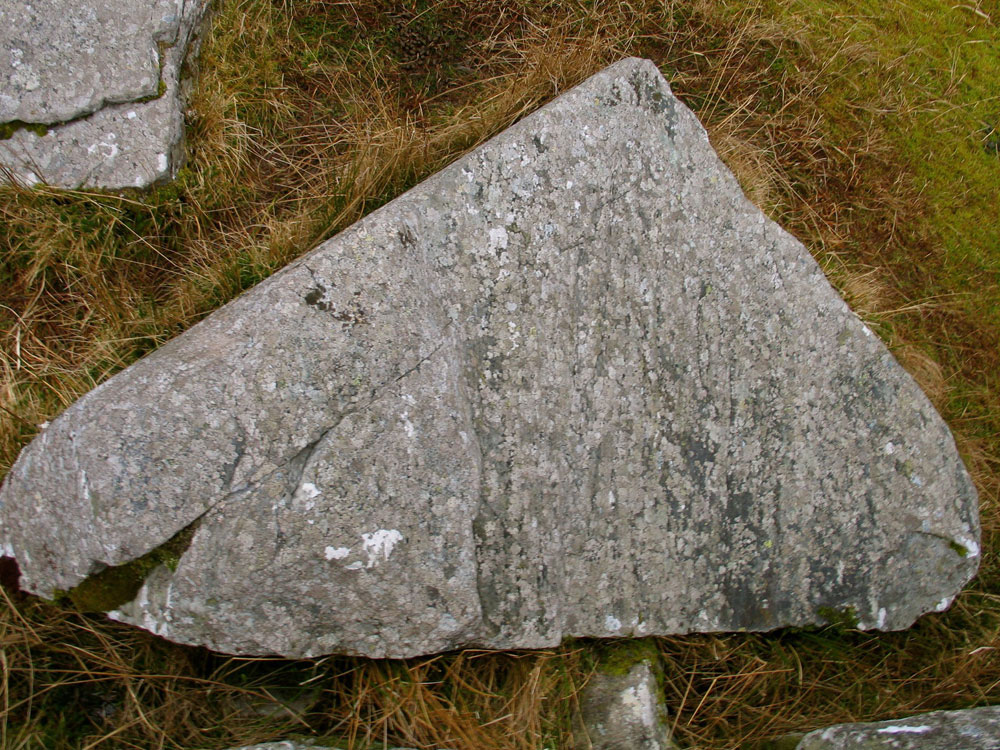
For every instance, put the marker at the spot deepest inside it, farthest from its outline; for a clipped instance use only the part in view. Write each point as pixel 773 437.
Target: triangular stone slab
pixel 574 384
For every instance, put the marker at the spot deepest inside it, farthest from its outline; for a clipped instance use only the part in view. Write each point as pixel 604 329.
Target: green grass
pixel 926 78
pixel 863 127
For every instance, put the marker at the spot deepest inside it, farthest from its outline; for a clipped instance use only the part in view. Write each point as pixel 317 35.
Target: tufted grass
pixel 863 127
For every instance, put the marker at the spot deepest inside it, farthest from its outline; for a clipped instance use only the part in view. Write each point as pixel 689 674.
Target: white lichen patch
pixel 378 545
pixel 336 553
pixel 638 701
pixel 498 238
pixel 905 730
pixel 971 546
pixel 612 624
pixel 408 427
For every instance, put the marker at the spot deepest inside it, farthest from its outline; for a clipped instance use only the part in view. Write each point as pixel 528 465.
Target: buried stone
pixel 575 384
pixel 967 729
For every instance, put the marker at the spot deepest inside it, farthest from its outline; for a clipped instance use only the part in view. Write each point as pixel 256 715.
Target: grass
pixel 865 128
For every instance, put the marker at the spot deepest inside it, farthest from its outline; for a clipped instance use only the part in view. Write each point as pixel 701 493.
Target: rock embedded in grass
pixel 969 729
pixel 90 92
pixel 623 711
pixel 306 745
pixel 575 384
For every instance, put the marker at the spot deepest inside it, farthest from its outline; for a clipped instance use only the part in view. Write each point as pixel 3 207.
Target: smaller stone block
pixel 623 712
pixel 91 94
pixel 970 729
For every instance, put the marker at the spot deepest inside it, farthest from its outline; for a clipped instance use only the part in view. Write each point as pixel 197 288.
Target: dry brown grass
pixel 308 116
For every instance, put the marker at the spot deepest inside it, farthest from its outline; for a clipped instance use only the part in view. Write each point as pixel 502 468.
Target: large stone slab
pixel 91 90
pixel 971 729
pixel 574 384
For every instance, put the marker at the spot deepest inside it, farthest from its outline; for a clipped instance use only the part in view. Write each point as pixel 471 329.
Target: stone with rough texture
pixel 103 78
pixel 298 745
pixel 623 712
pixel 575 384
pixel 971 729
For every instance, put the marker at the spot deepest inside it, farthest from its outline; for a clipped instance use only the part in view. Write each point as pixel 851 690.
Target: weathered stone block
pixel 574 384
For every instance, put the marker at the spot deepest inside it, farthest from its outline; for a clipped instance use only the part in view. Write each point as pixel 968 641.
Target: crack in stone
pixel 306 453
pixel 955 545
pixel 9 128
pixel 106 587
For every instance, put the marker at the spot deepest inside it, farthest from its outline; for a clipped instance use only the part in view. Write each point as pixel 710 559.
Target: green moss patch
pixel 119 584
pixel 618 657
pixel 7 129
pixel 846 618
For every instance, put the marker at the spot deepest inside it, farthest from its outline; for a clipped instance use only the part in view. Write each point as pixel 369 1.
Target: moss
pixel 841 619
pixel 785 742
pixel 119 584
pixel 161 89
pixel 618 657
pixel 7 129
pixel 960 550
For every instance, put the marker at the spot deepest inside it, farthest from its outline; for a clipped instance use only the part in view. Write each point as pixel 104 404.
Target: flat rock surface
pixel 574 384
pixel 971 729
pixel 102 79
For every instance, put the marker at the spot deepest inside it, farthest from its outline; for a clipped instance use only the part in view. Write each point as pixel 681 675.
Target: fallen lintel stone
pixel 969 729
pixel 92 91
pixel 575 384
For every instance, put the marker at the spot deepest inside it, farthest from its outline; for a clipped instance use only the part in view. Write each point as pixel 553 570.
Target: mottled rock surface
pixel 971 729
pixel 623 712
pixel 574 384
pixel 97 82
pixel 299 745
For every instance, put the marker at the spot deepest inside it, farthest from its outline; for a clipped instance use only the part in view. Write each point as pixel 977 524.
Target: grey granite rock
pixel 971 729
pixel 623 712
pixel 103 79
pixel 301 745
pixel 574 384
